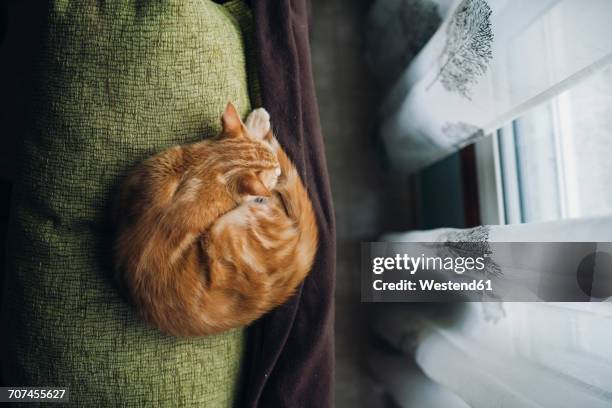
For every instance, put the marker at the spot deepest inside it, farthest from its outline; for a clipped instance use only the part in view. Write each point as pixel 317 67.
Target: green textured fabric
pixel 119 81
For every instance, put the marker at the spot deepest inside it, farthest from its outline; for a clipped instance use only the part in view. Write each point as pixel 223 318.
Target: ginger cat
pixel 212 235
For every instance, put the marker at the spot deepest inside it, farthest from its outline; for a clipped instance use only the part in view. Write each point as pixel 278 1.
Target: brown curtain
pixel 290 358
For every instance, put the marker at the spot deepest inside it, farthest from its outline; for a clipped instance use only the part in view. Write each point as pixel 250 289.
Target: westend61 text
pixel 432 285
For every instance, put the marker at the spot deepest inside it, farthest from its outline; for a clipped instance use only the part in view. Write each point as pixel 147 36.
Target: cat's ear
pixel 231 122
pixel 250 184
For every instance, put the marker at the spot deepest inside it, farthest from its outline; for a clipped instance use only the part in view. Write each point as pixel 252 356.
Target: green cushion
pixel 119 81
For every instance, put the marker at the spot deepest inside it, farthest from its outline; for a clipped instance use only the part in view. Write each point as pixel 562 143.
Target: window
pixel 553 162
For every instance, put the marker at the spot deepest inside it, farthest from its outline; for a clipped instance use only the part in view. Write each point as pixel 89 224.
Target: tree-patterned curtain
pixel 489 61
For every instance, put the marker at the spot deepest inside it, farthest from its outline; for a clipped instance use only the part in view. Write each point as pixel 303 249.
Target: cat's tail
pixel 298 207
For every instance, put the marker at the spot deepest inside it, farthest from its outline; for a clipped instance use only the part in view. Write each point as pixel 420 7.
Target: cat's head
pixel 257 168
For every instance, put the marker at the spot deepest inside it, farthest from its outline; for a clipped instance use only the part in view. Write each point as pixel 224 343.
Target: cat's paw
pixel 258 123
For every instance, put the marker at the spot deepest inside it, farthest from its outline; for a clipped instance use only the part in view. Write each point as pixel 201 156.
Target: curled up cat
pixel 212 235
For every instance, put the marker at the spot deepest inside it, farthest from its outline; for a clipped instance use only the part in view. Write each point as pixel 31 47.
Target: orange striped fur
pixel 212 235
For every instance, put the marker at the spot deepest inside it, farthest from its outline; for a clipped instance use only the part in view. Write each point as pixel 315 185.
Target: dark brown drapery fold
pixel 290 356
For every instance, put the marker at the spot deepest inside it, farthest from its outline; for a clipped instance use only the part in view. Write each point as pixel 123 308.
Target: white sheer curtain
pixel 543 355
pixel 537 273
pixel 488 355
pixel 490 61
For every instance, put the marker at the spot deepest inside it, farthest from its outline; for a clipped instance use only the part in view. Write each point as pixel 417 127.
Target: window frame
pixel 502 195
pixel 489 181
